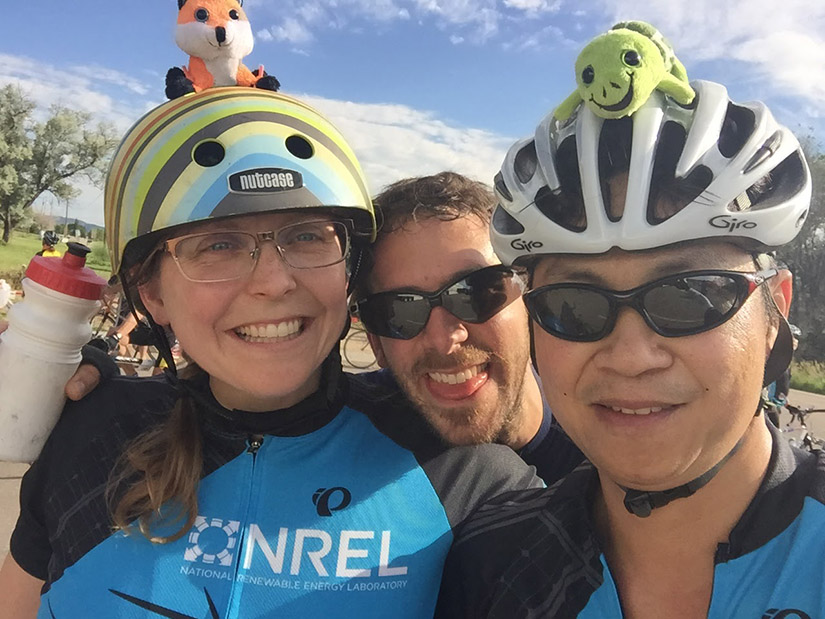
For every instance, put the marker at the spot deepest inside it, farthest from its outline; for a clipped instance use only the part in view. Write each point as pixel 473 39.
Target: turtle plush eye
pixel 233 14
pixel 202 15
pixel 588 75
pixel 631 58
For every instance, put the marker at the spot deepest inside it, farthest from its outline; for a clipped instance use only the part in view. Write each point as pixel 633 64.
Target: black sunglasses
pixel 473 298
pixel 673 306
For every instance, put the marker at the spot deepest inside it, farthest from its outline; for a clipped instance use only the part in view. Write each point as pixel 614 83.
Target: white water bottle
pixel 40 350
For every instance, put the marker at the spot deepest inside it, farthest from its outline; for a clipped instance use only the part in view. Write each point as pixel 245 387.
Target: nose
pixel 632 348
pixel 220 34
pixel 271 276
pixel 444 332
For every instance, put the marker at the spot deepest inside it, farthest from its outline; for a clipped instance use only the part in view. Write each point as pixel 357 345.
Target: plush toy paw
pixel 266 81
pixel 177 84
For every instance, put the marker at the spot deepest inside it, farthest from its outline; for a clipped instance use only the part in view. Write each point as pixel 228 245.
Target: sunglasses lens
pixel 475 298
pixel 692 304
pixel 571 313
pixel 481 295
pixel 396 315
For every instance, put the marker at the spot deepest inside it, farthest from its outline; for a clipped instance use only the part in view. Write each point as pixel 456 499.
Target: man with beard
pixel 446 320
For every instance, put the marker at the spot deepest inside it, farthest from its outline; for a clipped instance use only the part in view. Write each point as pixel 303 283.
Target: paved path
pixel 10 473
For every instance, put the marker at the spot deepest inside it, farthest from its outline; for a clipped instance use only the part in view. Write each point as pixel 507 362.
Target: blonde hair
pixel 160 471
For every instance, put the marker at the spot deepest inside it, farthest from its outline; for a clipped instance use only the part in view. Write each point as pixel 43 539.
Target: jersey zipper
pixel 253 445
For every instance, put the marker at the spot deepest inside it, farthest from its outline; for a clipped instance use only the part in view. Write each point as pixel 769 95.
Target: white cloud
pixel 534 6
pixel 106 93
pixel 481 19
pixel 392 141
pixel 292 31
pixel 395 141
pixel 782 45
pixel 456 40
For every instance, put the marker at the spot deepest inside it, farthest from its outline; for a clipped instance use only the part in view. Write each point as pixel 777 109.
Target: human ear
pixel 153 301
pixel 377 349
pixel 782 291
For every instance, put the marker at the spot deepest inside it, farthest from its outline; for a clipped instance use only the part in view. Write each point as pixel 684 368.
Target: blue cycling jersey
pixel 342 511
pixel 535 554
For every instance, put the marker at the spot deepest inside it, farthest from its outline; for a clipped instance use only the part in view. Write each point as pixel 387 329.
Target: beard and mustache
pixel 484 421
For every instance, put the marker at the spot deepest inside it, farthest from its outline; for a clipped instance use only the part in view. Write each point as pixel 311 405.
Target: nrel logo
pixel 265 180
pixel 211 541
pixel 528 246
pixel 343 554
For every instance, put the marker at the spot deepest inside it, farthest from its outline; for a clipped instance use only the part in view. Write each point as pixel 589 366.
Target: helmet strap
pixel 161 341
pixel 642 502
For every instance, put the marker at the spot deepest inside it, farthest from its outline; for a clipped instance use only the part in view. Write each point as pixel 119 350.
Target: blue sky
pixel 417 86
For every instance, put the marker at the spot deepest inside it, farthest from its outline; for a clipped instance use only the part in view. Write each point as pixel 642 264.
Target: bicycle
pixel 356 349
pixel 799 434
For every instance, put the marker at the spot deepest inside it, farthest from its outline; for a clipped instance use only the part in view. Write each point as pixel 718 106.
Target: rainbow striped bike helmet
pixel 224 152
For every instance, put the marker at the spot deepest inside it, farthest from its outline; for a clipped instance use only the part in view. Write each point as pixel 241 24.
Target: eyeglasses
pixel 473 298
pixel 232 254
pixel 673 306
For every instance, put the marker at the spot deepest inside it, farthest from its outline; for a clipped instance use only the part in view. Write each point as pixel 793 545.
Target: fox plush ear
pixel 180 4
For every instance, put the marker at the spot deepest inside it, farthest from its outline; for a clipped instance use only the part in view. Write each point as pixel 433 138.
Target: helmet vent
pixel 615 146
pixel 778 186
pixel 501 188
pixel 525 162
pixel 737 127
pixel 504 223
pixel 299 147
pixel 566 206
pixel 208 154
pixel 765 151
pixel 562 209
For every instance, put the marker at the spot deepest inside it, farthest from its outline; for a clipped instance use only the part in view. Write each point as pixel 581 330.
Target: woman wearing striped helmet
pixel 257 483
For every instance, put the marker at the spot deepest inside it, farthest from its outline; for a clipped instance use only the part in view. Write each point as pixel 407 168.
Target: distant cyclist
pixel 50 240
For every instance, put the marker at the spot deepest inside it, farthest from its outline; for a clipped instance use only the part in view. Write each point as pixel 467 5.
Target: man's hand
pixel 82 383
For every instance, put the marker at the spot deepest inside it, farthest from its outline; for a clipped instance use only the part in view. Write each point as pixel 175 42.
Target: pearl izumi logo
pixel 787 613
pixel 212 541
pixel 265 180
pixel 328 500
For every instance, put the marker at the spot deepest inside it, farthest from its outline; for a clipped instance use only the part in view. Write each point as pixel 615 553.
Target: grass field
pixel 15 255
pixel 808 376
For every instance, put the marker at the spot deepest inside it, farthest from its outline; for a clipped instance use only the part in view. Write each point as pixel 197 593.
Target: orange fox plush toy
pixel 217 35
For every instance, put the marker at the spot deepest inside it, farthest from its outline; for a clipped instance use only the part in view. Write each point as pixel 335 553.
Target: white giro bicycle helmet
pixel 715 155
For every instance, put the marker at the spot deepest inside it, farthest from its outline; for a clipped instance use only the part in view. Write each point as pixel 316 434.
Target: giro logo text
pixel 730 224
pixel 528 246
pixel 788 613
pixel 328 500
pixel 265 180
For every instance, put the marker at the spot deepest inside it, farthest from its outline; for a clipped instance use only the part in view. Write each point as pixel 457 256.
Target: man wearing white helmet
pixel 657 318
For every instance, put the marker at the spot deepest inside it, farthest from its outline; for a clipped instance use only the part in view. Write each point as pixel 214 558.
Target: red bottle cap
pixel 68 274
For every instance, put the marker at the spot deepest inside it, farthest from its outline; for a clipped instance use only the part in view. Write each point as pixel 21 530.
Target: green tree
pixel 805 257
pixel 15 151
pixel 45 156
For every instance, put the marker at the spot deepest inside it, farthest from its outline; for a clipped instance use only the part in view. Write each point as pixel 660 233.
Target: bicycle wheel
pixel 356 350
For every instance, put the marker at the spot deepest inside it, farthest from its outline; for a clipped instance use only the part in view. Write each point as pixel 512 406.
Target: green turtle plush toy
pixel 618 70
